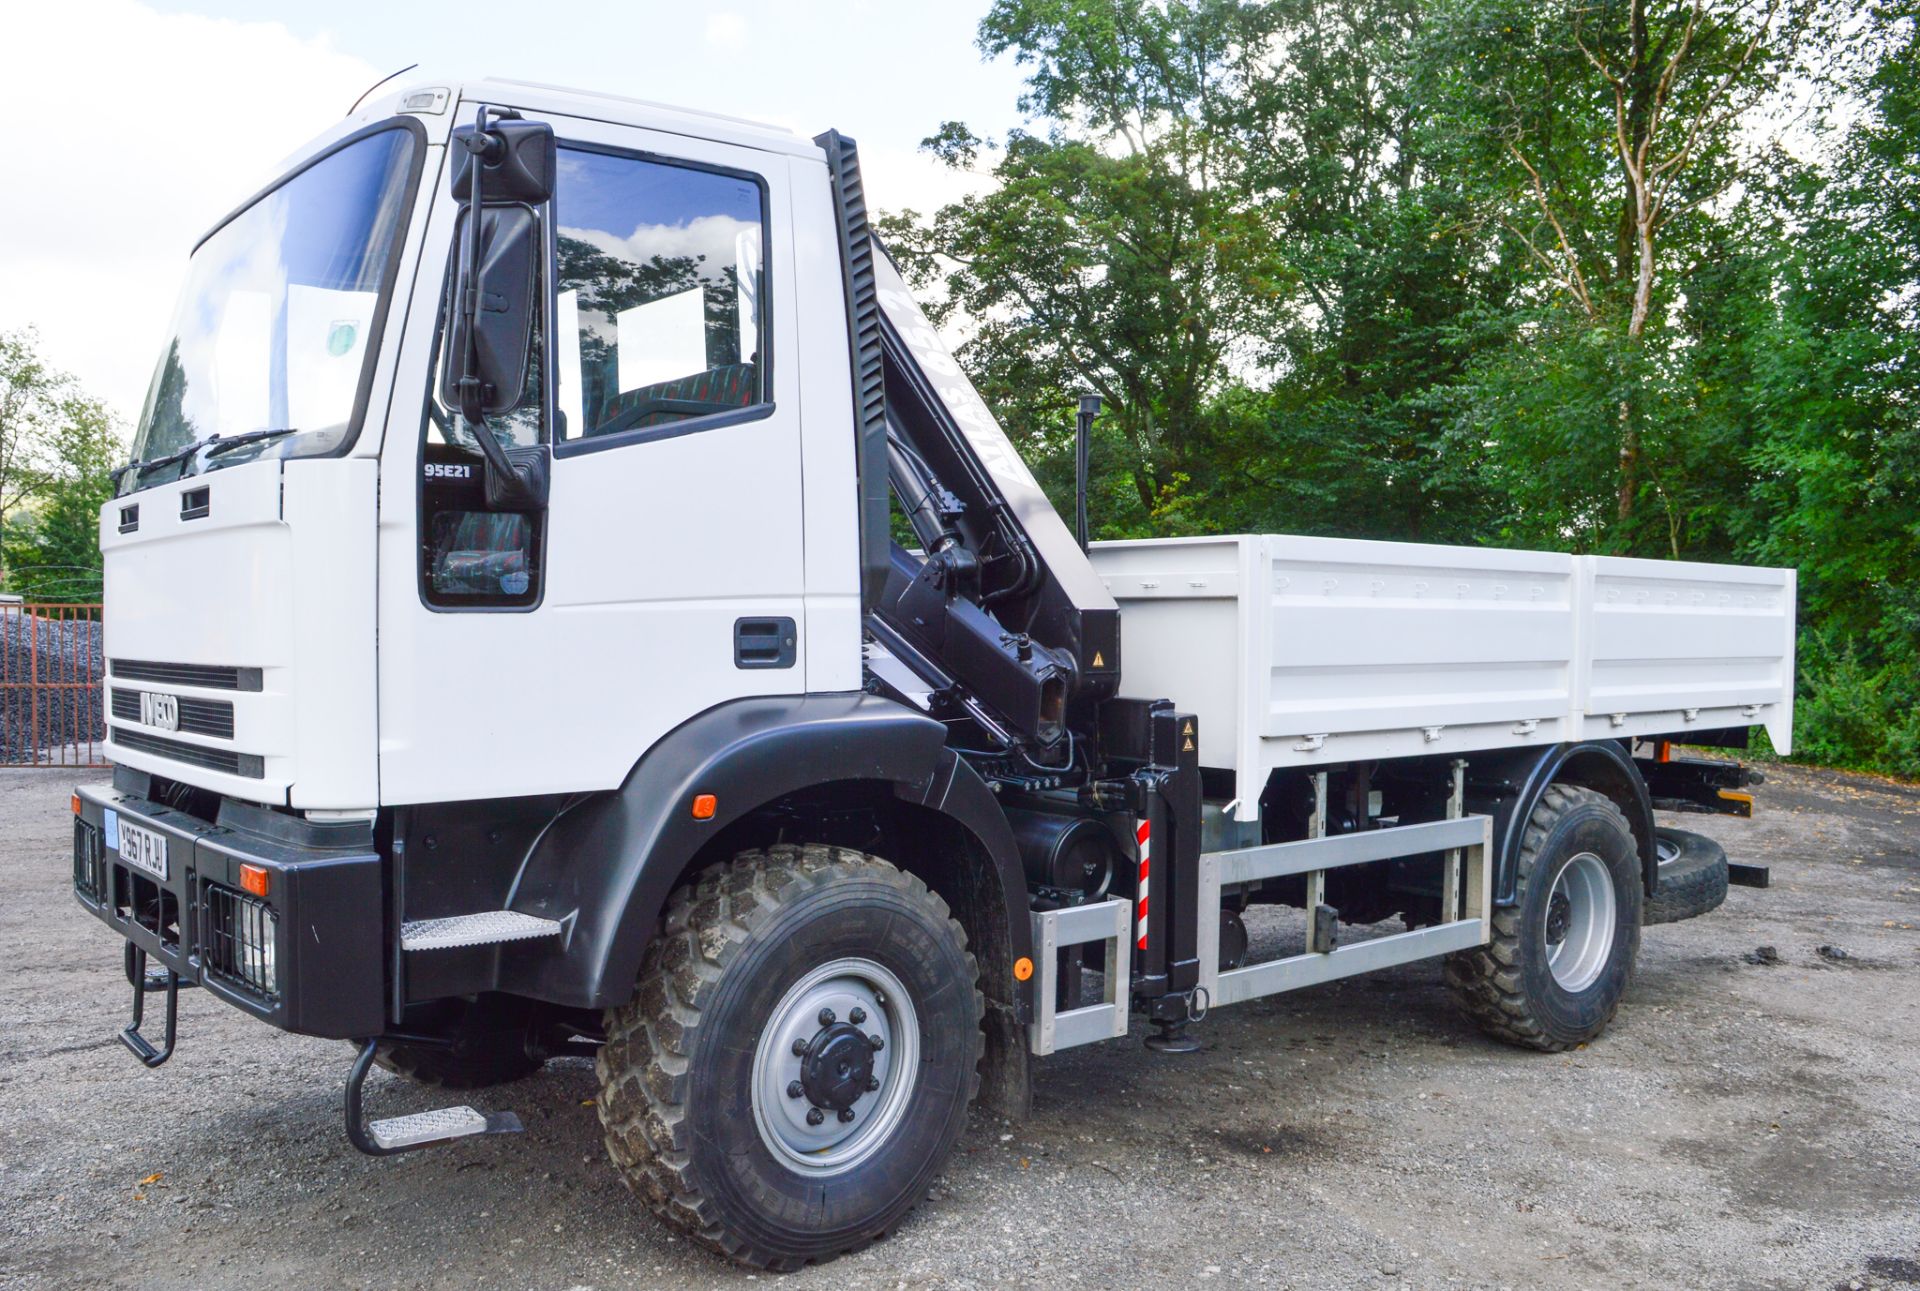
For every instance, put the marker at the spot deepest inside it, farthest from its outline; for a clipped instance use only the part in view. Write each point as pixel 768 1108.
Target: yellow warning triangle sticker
pixel 1187 730
pixel 1189 745
pixel 1098 662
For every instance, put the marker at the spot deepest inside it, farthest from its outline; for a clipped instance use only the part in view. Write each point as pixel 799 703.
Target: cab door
pixel 545 652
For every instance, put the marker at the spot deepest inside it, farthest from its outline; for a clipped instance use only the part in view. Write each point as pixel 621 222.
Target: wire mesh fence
pixel 51 670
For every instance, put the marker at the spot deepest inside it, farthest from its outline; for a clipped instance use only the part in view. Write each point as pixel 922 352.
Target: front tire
pixel 1560 958
pixel 741 1092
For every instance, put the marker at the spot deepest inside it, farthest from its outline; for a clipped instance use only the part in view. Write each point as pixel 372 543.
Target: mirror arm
pixel 516 479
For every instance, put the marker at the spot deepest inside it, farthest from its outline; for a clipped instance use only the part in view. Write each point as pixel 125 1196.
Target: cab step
pixel 485 928
pixel 395 1134
pixel 443 1125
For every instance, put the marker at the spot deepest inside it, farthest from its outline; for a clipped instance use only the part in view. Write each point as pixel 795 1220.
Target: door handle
pixel 765 643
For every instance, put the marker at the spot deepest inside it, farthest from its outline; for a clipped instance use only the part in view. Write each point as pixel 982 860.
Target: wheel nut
pixel 873 1083
pixel 846 1114
pixel 815 1116
pixel 880 998
pixel 795 1089
pixel 876 1042
pixel 857 1015
pixel 799 1048
pixel 826 1017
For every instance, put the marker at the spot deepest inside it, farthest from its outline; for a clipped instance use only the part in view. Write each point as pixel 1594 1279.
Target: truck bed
pixel 1297 652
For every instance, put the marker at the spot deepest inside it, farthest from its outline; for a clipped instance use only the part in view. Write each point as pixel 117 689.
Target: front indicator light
pixel 253 878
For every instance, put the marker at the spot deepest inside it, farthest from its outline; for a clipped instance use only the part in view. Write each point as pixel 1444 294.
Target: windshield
pixel 273 329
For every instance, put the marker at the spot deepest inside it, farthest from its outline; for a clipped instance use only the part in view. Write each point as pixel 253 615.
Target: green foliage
pixel 62 446
pixel 1540 274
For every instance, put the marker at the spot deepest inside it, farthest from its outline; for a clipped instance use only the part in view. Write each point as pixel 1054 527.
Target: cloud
pixel 153 126
pixel 727 30
pixel 714 236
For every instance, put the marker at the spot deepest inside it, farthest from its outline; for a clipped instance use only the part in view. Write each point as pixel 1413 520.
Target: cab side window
pixel 661 319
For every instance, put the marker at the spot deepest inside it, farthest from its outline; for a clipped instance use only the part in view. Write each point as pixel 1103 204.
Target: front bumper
pixel 308 957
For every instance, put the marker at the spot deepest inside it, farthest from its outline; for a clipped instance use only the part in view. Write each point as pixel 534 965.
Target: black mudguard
pixel 609 861
pixel 1509 788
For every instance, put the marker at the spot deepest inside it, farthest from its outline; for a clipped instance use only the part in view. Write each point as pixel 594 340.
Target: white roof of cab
pixel 619 109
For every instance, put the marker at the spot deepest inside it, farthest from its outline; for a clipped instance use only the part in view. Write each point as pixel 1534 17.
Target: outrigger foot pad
pixel 1172 1038
pixel 420 1129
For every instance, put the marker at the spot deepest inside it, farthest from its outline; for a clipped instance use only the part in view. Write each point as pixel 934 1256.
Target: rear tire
pixel 1560 958
pixel 755 1008
pixel 1693 877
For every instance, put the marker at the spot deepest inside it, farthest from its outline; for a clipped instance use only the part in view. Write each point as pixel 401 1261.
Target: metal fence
pixel 51 670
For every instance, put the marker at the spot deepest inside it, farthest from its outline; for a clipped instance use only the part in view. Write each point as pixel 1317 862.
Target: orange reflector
pixel 76 804
pixel 254 879
pixel 1663 751
pixel 704 805
pixel 1022 969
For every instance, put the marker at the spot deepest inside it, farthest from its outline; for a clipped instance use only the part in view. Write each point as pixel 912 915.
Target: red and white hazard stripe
pixel 1145 836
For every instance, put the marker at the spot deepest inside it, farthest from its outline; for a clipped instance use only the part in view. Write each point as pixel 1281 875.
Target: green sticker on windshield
pixel 341 338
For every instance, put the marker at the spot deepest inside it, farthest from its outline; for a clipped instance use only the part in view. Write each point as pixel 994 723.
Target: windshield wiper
pixel 215 443
pixel 251 437
pixel 167 459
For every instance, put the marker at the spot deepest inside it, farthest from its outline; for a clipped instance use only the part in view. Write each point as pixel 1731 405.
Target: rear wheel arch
pixel 1518 783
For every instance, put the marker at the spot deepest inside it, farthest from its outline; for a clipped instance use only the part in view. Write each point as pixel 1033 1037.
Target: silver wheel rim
pixel 1578 934
pixel 841 990
pixel 1665 850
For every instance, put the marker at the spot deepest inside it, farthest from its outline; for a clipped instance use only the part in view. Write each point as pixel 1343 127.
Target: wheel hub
pixel 1559 914
pixel 1581 915
pixel 837 1067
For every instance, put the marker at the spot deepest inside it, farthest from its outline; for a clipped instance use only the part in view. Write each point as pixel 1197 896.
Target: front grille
pixel 237 940
pixel 187 674
pixel 250 765
pixel 197 716
pixel 89 862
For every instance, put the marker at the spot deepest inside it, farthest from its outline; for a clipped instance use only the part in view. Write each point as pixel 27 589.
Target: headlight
pixel 238 935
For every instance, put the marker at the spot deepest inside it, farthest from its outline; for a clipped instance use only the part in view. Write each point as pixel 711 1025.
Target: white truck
pixel 509 656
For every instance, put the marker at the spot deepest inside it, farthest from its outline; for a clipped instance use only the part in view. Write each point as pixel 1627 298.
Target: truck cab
pixel 566 598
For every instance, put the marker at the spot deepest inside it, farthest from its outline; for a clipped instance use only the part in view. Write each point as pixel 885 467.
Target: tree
pixel 30 397
pixel 58 448
pixel 1835 449
pixel 1119 251
pixel 54 554
pixel 1601 136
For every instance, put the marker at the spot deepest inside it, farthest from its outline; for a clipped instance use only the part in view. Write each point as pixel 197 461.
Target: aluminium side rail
pixel 1465 842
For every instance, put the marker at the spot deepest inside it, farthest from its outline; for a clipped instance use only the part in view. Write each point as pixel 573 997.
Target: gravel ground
pixel 1743 1124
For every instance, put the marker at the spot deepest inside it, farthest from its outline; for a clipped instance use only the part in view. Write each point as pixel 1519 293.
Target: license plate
pixel 143 849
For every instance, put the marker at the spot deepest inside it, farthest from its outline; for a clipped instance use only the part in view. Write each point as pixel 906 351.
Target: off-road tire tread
pixel 1487 979
pixel 1690 892
pixel 652 1037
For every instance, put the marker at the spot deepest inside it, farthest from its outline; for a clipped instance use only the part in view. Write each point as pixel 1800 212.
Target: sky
pixel 147 122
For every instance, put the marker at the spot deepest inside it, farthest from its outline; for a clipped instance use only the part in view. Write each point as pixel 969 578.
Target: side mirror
pixel 502 168
pixel 488 372
pixel 520 160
